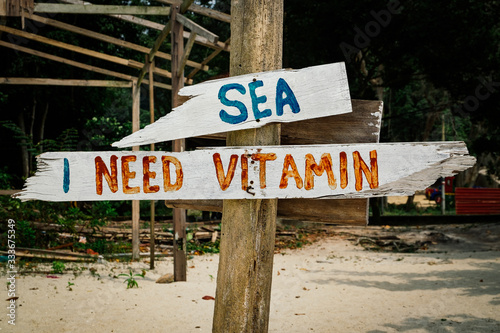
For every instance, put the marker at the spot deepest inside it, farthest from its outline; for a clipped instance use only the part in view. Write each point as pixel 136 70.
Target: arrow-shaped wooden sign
pixel 251 101
pixel 316 171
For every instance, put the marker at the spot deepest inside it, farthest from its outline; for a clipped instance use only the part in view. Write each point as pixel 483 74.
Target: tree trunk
pixel 41 135
pixel 25 156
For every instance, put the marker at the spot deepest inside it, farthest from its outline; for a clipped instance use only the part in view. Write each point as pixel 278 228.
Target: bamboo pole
pixel 244 277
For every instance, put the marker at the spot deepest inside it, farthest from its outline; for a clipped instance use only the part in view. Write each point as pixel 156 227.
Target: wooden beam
pixel 58 8
pixel 159 41
pixel 109 39
pixel 79 64
pixel 207 59
pixel 81 50
pixel 152 53
pixel 344 212
pixel 157 26
pixel 203 11
pixel 3 8
pixel 64 82
pixel 185 55
pixel 196 29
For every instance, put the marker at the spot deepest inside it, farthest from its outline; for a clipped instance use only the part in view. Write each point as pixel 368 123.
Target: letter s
pixel 226 117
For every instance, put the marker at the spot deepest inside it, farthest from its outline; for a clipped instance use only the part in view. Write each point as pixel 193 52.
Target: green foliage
pixel 22 138
pixel 69 286
pixel 5 179
pixel 25 234
pixel 66 141
pixel 58 267
pixel 394 209
pixel 195 247
pixel 130 280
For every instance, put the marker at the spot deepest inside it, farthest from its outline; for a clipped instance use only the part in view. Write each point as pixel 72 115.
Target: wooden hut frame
pixel 179 58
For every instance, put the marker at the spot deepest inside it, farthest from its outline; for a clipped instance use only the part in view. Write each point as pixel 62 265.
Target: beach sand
pixel 332 285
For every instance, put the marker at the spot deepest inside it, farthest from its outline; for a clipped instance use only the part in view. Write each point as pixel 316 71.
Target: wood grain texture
pixel 196 29
pixel 326 93
pixel 79 64
pixel 244 277
pixel 100 9
pixel 178 214
pixel 109 39
pixel 360 126
pixel 345 211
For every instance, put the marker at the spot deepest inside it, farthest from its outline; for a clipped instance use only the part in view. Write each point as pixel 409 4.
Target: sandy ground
pixel 420 200
pixel 332 285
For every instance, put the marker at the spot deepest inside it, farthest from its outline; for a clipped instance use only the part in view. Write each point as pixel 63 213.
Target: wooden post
pixel 179 214
pixel 248 226
pixel 152 207
pixel 136 98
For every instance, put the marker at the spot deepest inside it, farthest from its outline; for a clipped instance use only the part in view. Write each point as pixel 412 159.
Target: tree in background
pixel 429 61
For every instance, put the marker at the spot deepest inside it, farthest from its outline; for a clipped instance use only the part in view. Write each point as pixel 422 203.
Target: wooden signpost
pixel 266 172
pixel 322 161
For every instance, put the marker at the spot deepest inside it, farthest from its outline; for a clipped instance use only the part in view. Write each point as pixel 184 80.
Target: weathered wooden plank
pixel 3 7
pixel 224 105
pixel 15 7
pixel 203 11
pixel 207 59
pixel 112 40
pixel 58 8
pixel 185 55
pixel 315 171
pixel 64 82
pixel 152 53
pixel 81 50
pixel 345 211
pixel 157 26
pixel 362 125
pixel 196 29
pixel 79 64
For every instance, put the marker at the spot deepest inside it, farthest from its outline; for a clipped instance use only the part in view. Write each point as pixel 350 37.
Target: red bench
pixel 477 201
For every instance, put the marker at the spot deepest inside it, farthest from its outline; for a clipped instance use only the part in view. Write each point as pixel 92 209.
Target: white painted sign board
pixel 313 171
pixel 251 101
